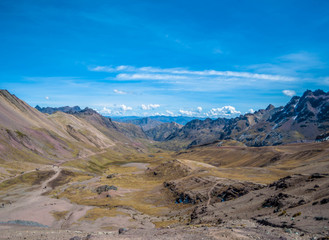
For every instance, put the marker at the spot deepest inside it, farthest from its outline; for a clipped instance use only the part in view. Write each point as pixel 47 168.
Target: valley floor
pixel 195 194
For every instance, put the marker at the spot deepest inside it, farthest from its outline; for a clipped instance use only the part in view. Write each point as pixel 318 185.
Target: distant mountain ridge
pixel 304 118
pixel 51 110
pixel 163 131
pixel 301 119
pixel 146 123
pixel 182 120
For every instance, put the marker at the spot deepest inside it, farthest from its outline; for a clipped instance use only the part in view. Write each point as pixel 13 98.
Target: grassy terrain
pixel 27 179
pixel 137 190
pixel 141 192
pixel 98 212
pixel 59 215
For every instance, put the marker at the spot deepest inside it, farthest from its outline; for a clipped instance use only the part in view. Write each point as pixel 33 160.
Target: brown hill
pixel 29 135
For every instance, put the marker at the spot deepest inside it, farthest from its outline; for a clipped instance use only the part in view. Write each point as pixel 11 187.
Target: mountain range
pixel 303 118
pixel 74 169
pixel 164 119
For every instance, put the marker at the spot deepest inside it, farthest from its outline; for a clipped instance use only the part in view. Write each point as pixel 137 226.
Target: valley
pixel 79 174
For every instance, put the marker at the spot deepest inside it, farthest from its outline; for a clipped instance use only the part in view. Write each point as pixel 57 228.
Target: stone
pixel 122 230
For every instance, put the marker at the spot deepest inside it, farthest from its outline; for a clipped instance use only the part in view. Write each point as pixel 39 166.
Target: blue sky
pixel 200 58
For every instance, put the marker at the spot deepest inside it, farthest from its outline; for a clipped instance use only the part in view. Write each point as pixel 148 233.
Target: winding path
pixel 209 193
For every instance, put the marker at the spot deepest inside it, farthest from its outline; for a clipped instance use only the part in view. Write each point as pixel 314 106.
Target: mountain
pixel 178 119
pixel 200 131
pixel 145 123
pixel 65 109
pixel 116 131
pixel 30 135
pixel 165 119
pixel 64 170
pixel 163 131
pixel 303 118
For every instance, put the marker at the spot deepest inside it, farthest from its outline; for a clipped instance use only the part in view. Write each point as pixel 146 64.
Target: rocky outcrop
pixel 208 190
pixel 105 188
pixel 297 202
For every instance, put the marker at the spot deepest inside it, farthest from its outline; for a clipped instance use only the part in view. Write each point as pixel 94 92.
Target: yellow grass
pixel 166 223
pixel 59 215
pixel 97 212
pixel 27 179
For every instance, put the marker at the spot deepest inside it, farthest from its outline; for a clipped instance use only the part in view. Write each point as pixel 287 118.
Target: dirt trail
pixel 32 205
pixel 58 163
pixel 209 193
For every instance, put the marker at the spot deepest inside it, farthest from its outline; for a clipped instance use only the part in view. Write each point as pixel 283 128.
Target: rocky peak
pixel 270 107
pixel 51 110
pixel 313 106
pixel 319 92
pixel 88 111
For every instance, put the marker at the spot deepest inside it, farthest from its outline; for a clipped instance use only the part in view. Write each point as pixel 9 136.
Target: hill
pixel 27 135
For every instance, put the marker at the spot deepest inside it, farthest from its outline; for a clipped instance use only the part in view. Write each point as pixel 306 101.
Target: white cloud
pixel 125 108
pixel 291 65
pixel 143 76
pixel 105 111
pixel 119 92
pixel 187 113
pixel 251 110
pixel 158 114
pixel 170 113
pixel 289 93
pixel 199 109
pixel 47 98
pixel 150 106
pixel 153 73
pixel 226 111
pixel 111 69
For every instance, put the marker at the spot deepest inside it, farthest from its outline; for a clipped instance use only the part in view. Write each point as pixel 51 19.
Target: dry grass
pixel 59 215
pixel 143 192
pixel 136 189
pixel 97 212
pixel 28 179
pixel 166 223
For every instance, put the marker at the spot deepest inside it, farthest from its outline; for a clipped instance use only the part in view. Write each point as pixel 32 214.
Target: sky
pixel 166 57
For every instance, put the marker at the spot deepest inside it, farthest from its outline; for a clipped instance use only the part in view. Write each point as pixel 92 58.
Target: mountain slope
pixel 120 132
pixel 163 131
pixel 164 119
pixel 29 135
pixel 200 132
pixel 145 123
pixel 302 119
